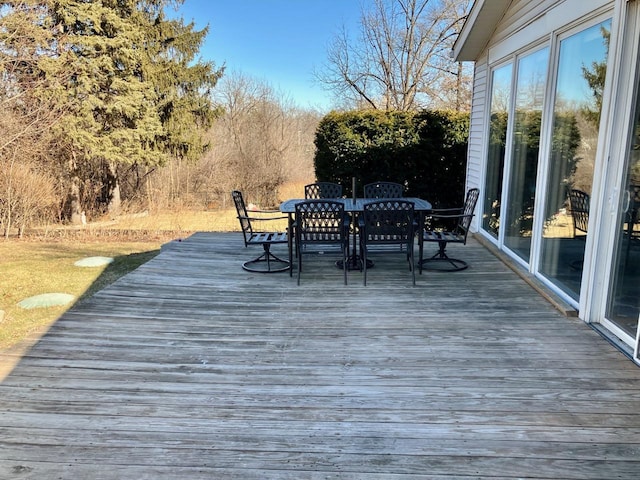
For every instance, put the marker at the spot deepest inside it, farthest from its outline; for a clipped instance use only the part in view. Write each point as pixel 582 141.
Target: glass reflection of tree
pixel 575 134
pixel 564 161
pixel 497 144
pixel 527 147
pixel 595 77
pixel 530 88
pixel 501 80
pixel 565 142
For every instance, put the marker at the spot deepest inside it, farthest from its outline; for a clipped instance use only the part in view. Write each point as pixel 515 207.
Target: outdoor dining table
pixel 354 206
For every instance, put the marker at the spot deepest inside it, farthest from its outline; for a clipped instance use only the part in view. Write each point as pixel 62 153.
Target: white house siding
pixel 520 14
pixel 476 149
pixel 527 21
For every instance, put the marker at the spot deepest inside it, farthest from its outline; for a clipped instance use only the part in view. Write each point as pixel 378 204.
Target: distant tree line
pixel 105 105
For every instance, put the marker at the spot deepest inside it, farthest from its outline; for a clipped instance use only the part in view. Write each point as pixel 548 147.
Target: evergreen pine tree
pixel 136 95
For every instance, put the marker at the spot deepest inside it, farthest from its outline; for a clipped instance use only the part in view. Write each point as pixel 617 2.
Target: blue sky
pixel 277 41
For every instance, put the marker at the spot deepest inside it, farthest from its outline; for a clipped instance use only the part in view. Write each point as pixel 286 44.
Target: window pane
pixel 500 94
pixel 624 301
pixel 576 117
pixel 532 71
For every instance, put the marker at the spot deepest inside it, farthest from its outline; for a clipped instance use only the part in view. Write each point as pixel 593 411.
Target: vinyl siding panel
pixel 531 21
pixel 476 148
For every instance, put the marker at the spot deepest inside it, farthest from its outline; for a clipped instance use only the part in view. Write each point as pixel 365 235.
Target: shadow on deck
pixel 190 367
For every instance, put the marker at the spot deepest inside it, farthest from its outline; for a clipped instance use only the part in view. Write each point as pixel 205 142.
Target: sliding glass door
pixel 500 99
pixel 624 298
pixel 529 100
pixel 533 144
pixel 582 65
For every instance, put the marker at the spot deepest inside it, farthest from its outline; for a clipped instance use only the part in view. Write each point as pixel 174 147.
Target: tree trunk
pixel 458 86
pixel 74 208
pixel 7 226
pixel 114 201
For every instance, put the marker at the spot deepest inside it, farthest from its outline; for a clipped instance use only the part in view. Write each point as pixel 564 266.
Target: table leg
pixel 290 234
pixel 354 261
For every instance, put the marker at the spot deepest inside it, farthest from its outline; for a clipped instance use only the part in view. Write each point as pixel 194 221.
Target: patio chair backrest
pixel 467 210
pixel 383 190
pixel 320 221
pixel 579 203
pixel 322 190
pixel 243 217
pixel 388 222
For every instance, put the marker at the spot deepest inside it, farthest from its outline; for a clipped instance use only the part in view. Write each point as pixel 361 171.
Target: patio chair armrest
pixel 459 215
pixel 265 211
pixel 264 219
pixel 443 211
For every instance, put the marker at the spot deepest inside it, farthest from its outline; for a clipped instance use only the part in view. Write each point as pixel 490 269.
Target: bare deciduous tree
pixel 26 192
pixel 29 110
pixel 401 59
pixel 260 141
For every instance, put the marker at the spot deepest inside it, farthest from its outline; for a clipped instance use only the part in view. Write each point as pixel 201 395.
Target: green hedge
pixel 426 151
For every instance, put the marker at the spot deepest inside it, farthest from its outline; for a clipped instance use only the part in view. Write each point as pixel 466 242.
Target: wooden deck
pixel 191 368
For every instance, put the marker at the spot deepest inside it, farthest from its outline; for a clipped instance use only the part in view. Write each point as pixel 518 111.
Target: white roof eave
pixel 478 28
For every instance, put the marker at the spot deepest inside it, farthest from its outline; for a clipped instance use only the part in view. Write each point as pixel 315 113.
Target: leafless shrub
pixel 27 196
pixel 260 142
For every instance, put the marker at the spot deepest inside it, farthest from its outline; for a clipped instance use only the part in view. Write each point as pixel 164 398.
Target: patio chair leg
pixel 412 263
pixel 268 258
pixel 441 256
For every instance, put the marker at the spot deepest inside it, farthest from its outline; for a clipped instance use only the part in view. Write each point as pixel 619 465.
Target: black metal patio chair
pixel 388 222
pixel 321 222
pixel 579 204
pixel 253 236
pixel 322 190
pixel 383 190
pixel 454 230
pixel 633 212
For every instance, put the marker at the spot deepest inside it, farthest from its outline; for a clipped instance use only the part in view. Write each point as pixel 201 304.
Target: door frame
pixel 619 108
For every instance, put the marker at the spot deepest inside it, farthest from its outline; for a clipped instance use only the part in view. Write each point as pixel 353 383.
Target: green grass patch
pixel 35 267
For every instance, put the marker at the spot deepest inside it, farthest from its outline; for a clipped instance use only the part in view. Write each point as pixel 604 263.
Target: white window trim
pixel 543 170
pixel 620 102
pixel 485 145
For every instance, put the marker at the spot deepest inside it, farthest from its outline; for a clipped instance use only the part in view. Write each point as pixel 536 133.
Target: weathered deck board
pixel 190 367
